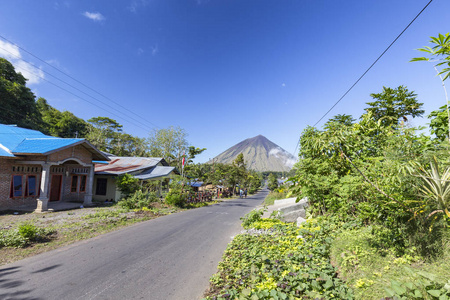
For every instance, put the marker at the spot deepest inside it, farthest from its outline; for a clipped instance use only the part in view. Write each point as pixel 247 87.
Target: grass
pixel 373 274
pixel 272 196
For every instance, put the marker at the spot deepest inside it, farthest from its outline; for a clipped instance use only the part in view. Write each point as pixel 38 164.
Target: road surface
pixel 171 257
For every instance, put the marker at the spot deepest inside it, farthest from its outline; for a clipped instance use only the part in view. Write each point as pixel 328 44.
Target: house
pixel 142 168
pixel 36 169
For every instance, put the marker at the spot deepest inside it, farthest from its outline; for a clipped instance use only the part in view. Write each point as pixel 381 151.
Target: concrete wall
pixel 111 190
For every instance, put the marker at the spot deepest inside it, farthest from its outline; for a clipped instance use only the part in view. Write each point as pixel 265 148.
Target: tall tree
pixel 103 132
pixel 169 143
pixel 393 106
pixel 61 124
pixel 440 57
pixel 18 102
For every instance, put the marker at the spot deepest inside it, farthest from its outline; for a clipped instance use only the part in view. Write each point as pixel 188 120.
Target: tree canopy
pixel 18 101
pixel 393 106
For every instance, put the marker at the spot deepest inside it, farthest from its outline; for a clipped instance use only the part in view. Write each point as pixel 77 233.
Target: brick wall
pixel 9 168
pixel 78 151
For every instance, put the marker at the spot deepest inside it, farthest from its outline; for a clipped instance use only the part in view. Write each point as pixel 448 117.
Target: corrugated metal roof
pixel 11 136
pixel 15 140
pixel 43 145
pixel 121 165
pixel 196 183
pixel 155 172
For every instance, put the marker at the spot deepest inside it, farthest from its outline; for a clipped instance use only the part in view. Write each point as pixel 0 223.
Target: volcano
pixel 260 154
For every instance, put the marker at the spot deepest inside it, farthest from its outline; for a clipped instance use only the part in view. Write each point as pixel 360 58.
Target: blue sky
pixel 224 70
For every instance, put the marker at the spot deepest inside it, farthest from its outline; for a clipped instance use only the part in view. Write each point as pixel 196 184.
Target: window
pixel 74 185
pixel 30 189
pixel 101 186
pixel 16 186
pixel 82 183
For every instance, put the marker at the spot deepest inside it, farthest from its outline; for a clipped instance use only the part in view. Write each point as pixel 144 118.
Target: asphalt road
pixel 171 257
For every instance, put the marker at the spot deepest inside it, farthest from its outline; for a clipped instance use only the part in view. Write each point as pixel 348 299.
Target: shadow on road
pixel 47 269
pixel 6 283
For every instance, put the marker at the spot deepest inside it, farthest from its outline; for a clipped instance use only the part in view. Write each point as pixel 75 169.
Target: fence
pixel 196 197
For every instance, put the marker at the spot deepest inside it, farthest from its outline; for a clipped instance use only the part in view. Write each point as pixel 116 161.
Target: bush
pixel 138 200
pixel 176 198
pixel 127 184
pixel 28 231
pixel 23 235
pixel 252 217
pixel 12 238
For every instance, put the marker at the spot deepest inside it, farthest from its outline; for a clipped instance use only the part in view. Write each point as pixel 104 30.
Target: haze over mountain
pixel 260 154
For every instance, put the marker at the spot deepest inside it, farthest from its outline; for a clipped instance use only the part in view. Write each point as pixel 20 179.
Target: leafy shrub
pixel 285 263
pixel 28 231
pixel 138 200
pixel 419 285
pixel 127 184
pixel 23 235
pixel 12 238
pixel 176 198
pixel 252 217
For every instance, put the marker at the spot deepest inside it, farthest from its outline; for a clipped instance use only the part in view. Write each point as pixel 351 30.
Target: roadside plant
pixel 127 184
pixel 138 200
pixel 439 56
pixel 176 198
pixel 23 235
pixel 434 189
pixel 252 217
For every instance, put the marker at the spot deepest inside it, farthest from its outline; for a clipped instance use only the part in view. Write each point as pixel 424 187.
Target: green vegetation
pixel 278 194
pixel 371 264
pixel 24 235
pixel 380 195
pixel 139 200
pixel 275 260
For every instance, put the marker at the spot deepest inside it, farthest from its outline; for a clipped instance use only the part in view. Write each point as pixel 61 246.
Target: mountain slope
pixel 260 154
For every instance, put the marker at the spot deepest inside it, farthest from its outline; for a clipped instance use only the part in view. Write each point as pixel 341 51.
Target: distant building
pixel 37 169
pixel 142 168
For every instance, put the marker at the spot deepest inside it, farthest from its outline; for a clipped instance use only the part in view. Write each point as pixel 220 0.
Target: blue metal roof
pixel 196 183
pixel 43 145
pixel 11 135
pixel 15 140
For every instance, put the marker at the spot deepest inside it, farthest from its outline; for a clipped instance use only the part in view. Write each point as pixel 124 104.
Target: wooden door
pixel 55 189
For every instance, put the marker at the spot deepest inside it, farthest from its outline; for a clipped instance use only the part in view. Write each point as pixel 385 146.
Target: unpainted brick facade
pixel 29 169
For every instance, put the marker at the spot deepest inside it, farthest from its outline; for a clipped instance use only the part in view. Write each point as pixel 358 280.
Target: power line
pixel 356 82
pixel 81 91
pixel 67 91
pixel 76 80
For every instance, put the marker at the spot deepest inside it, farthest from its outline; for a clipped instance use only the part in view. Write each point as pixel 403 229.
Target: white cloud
pixel 283 154
pixel 135 4
pixel 33 74
pixel 97 17
pixel 155 50
pixel 12 53
pixel 9 51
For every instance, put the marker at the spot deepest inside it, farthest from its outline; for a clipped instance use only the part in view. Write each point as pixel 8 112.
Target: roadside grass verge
pixel 325 258
pixel 275 195
pixel 374 273
pixel 276 260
